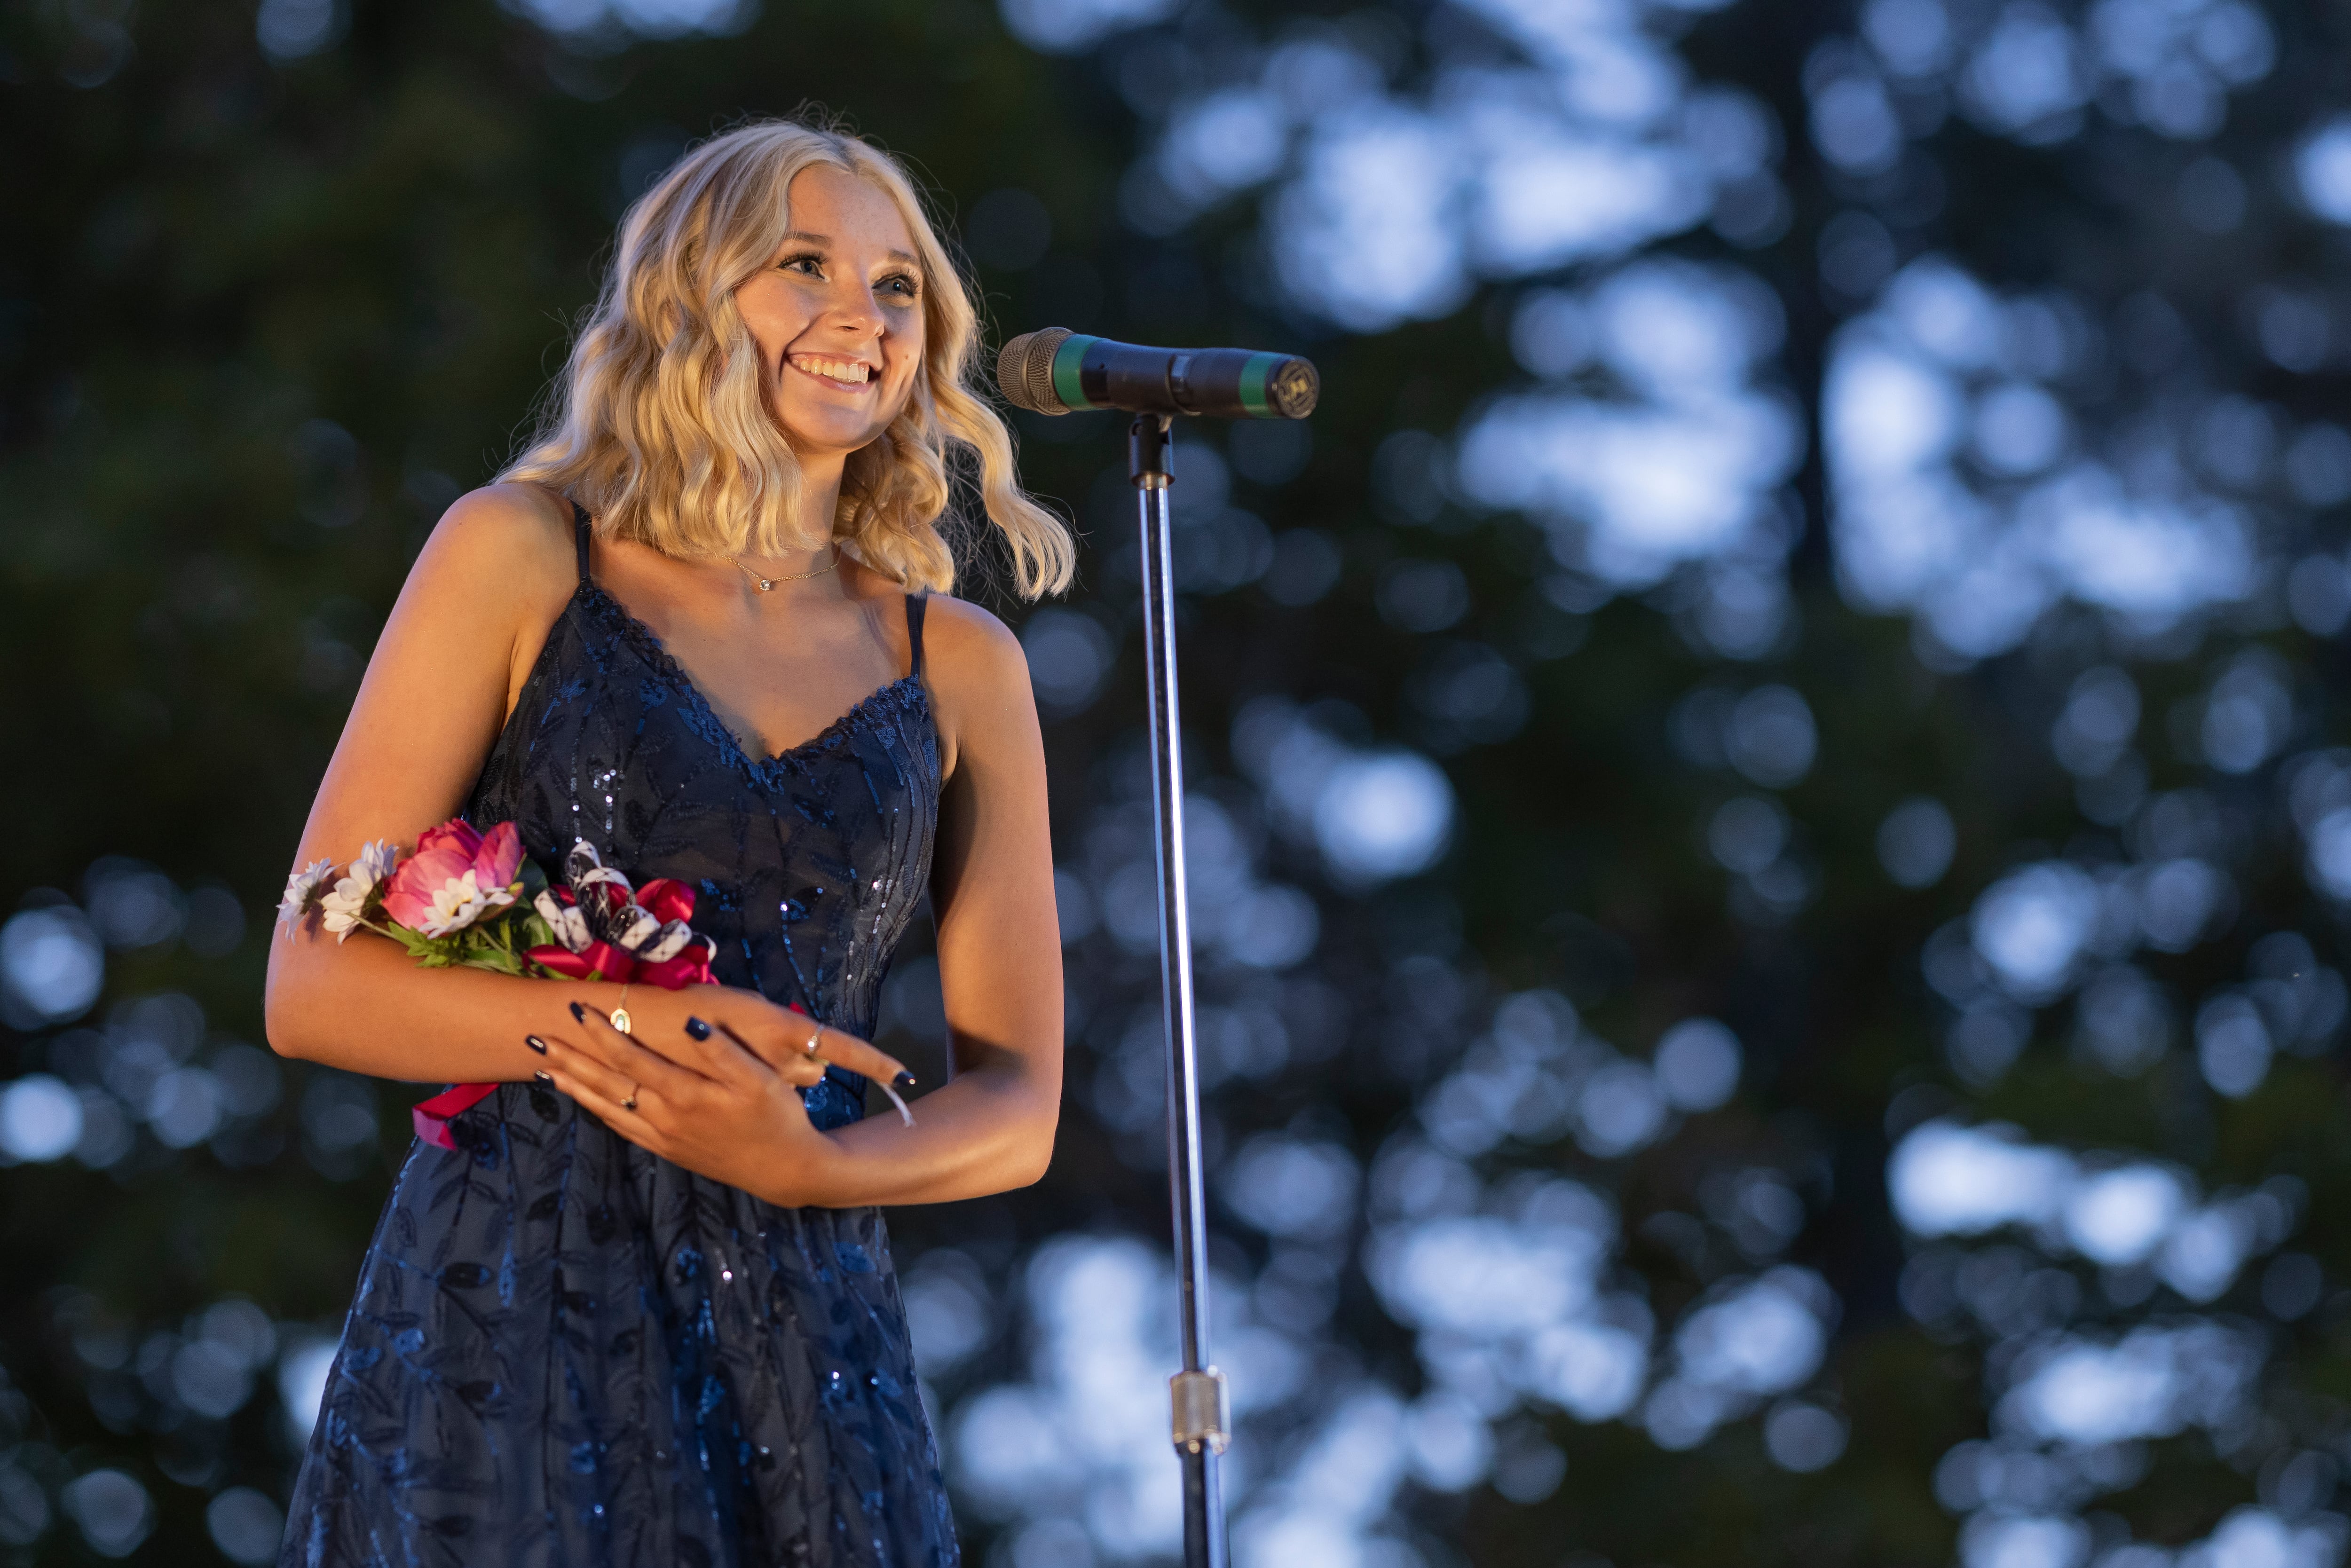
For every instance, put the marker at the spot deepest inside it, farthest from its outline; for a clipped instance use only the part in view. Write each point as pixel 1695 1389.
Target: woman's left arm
pixel 990 1128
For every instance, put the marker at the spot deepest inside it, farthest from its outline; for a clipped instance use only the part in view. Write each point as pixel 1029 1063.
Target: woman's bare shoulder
pixel 509 545
pixel 962 642
pixel 979 678
pixel 524 532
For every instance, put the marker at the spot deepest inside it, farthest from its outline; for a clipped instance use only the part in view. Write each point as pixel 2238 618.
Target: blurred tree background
pixel 1771 827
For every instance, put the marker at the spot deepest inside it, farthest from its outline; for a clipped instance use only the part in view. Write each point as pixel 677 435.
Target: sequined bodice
pixel 807 866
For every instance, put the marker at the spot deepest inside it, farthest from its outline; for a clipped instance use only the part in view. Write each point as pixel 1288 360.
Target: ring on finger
pixel 815 1037
pixel 630 1103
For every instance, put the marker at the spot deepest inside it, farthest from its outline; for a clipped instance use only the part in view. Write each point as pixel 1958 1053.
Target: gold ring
pixel 630 1103
pixel 814 1041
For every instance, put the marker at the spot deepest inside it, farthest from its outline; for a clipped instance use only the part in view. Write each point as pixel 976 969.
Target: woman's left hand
pixel 705 1103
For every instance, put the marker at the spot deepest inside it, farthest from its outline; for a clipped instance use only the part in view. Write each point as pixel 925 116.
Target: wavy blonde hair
pixel 661 426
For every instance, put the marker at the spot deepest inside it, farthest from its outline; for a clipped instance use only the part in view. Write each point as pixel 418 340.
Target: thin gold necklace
pixel 768 584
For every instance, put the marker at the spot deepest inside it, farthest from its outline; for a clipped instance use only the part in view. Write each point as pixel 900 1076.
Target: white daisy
pixel 302 893
pixel 458 902
pixel 345 909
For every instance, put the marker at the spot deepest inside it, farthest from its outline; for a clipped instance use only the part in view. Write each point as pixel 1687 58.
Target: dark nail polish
pixel 544 1077
pixel 697 1029
pixel 536 1043
pixel 579 1013
pixel 904 1081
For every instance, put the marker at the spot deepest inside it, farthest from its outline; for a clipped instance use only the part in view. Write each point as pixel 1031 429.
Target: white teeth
pixel 856 371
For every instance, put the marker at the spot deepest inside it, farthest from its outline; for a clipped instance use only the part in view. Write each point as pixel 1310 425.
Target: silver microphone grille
pixel 1025 370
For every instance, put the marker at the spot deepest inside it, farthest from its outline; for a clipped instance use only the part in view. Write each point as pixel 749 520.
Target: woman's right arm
pixel 469 623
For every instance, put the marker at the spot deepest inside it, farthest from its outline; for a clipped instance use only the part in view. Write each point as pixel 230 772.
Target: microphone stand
pixel 1202 1413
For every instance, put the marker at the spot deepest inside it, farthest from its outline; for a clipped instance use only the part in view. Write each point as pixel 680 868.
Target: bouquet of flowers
pixel 471 899
pixel 463 898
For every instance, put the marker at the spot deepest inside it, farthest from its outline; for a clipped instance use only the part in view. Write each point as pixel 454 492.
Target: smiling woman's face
pixel 838 314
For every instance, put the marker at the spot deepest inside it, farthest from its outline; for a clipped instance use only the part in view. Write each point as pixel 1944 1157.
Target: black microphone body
pixel 1055 371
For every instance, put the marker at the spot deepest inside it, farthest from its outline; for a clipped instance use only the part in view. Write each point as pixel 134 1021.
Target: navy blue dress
pixel 567 1351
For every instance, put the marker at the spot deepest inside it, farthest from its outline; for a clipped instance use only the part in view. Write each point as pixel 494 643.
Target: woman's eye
pixel 810 265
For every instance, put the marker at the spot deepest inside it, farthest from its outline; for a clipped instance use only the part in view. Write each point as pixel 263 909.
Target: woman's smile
pixel 848 375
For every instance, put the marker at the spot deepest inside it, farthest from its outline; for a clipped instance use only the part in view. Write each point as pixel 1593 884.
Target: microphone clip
pixel 1148 441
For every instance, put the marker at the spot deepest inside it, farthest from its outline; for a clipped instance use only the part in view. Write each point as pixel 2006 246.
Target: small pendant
pixel 621 1019
pixel 765 586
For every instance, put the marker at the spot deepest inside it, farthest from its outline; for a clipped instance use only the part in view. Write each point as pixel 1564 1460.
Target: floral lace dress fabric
pixel 568 1351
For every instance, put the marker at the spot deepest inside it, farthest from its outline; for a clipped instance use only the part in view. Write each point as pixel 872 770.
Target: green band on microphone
pixel 1254 375
pixel 1067 359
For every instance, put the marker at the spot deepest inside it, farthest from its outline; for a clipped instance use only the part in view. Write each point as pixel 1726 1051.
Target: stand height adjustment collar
pixel 1204 1411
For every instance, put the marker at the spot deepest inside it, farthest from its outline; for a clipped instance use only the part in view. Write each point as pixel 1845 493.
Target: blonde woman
pixel 644 1312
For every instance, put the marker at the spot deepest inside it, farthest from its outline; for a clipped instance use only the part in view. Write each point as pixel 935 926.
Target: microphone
pixel 1056 370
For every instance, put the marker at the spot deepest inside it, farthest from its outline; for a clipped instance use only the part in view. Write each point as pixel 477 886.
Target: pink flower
pixel 455 876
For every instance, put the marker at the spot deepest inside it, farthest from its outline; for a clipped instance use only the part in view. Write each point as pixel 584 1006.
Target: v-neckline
pixel 658 653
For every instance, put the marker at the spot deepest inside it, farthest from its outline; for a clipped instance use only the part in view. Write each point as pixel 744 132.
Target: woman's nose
pixel 857 311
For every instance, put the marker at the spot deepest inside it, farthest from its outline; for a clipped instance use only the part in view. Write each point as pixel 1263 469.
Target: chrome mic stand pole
pixel 1202 1417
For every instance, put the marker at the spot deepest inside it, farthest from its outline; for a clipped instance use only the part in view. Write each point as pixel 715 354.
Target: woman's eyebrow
pixel 802 236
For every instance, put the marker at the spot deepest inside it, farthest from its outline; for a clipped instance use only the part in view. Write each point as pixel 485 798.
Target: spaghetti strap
pixel 914 605
pixel 583 531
